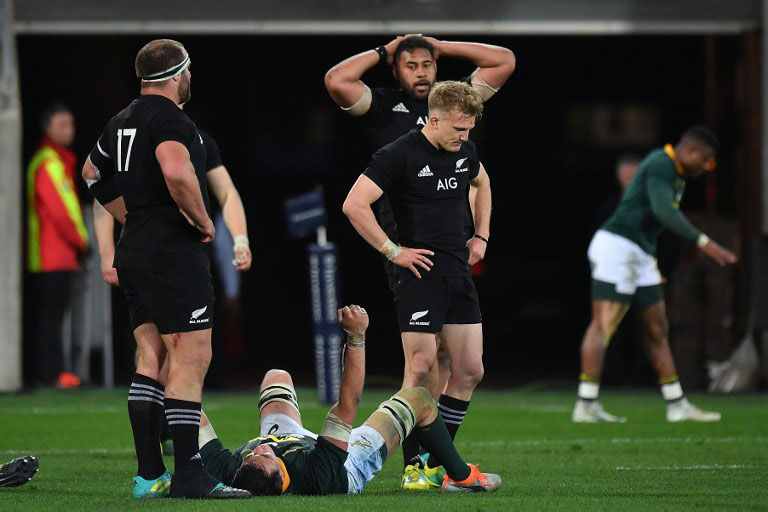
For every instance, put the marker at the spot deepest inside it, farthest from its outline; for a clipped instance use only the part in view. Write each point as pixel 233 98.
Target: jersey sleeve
pixel 384 168
pixel 213 156
pixel 661 195
pixel 176 128
pixel 101 157
pixel 325 462
pixel 221 463
pixel 375 114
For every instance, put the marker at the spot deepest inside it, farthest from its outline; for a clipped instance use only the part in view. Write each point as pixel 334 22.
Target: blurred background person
pixel 56 240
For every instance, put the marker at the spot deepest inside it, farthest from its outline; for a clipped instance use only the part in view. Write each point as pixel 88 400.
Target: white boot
pixel 593 412
pixel 686 411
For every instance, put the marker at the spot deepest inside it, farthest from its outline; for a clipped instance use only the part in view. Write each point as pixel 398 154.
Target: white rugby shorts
pixel 619 261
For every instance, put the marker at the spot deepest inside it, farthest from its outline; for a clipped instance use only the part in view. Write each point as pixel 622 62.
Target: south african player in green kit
pixel 624 271
pixel 288 458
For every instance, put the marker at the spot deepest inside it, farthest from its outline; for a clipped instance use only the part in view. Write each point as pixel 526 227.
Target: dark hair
pixel 411 43
pixel 701 135
pixel 157 56
pixel 628 159
pixel 51 110
pixel 254 479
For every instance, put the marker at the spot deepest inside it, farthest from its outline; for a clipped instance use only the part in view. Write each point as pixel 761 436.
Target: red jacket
pixel 55 229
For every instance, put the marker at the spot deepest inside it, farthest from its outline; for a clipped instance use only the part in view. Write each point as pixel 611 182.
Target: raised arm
pixel 357 208
pixel 494 63
pixel 341 417
pixel 343 80
pixel 481 211
pixel 179 174
pixel 220 183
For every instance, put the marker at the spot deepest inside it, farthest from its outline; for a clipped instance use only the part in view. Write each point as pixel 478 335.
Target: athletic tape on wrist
pixel 390 250
pixel 702 240
pixel 336 428
pixel 355 339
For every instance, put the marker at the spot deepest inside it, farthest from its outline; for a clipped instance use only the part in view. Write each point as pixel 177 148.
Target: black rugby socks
pixel 452 410
pixel 145 409
pixel 436 439
pixel 184 420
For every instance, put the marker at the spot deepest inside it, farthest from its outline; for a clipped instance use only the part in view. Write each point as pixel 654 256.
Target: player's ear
pixel 434 121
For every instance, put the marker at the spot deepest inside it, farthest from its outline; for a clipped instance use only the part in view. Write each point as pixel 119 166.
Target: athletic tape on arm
pixel 336 428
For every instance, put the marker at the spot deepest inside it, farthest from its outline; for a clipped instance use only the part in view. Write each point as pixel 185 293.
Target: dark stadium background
pixel 263 100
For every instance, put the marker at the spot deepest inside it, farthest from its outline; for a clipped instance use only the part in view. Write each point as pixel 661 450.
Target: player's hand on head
pixel 435 44
pixel 353 318
pixel 719 253
pixel 412 259
pixel 476 250
pixel 392 46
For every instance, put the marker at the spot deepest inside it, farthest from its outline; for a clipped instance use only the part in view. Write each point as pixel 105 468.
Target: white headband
pixel 171 72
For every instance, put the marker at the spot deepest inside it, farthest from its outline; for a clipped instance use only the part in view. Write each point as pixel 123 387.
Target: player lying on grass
pixel 287 458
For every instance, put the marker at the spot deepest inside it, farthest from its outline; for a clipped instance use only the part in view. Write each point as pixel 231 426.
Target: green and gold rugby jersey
pixel 315 467
pixel 652 202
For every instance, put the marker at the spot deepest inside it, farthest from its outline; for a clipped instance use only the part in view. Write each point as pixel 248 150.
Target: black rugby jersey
pixel 212 154
pixel 428 190
pixel 392 114
pixel 156 235
pixel 315 467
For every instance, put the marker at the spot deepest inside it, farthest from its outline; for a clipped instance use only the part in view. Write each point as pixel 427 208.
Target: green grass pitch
pixel 83 441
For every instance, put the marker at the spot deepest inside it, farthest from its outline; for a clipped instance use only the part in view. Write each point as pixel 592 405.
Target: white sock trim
pixel 672 391
pixel 589 390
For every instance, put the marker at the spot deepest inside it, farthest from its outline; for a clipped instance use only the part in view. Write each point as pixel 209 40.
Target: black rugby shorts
pixel 424 305
pixel 174 301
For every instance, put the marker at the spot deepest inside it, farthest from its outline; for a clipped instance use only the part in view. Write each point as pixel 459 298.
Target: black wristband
pixel 480 237
pixel 382 51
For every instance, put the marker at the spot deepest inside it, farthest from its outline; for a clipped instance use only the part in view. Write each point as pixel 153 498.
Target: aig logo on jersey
pixel 447 183
pixel 196 314
pixel 416 316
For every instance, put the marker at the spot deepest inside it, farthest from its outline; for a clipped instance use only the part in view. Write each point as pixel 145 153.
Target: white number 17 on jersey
pixel 124 132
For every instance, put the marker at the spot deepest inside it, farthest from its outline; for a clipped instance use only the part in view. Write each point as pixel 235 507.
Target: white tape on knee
pixel 278 393
pixel 336 428
pixel 401 413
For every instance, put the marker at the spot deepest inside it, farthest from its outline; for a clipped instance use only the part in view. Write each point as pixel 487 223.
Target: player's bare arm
pixel 716 251
pixel 104 228
pixel 357 208
pixel 341 417
pixel 494 64
pixel 179 174
pixel 481 214
pixel 220 184
pixel 344 83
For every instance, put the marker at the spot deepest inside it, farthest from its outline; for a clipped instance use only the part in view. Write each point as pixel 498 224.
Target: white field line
pixel 615 440
pixel 499 442
pixel 692 467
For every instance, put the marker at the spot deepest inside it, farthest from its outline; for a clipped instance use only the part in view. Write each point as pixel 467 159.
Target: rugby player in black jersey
pixel 288 458
pixel 388 113
pixel 427 175
pixel 148 170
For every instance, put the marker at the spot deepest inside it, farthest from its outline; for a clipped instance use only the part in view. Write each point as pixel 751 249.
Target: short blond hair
pixel 451 95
